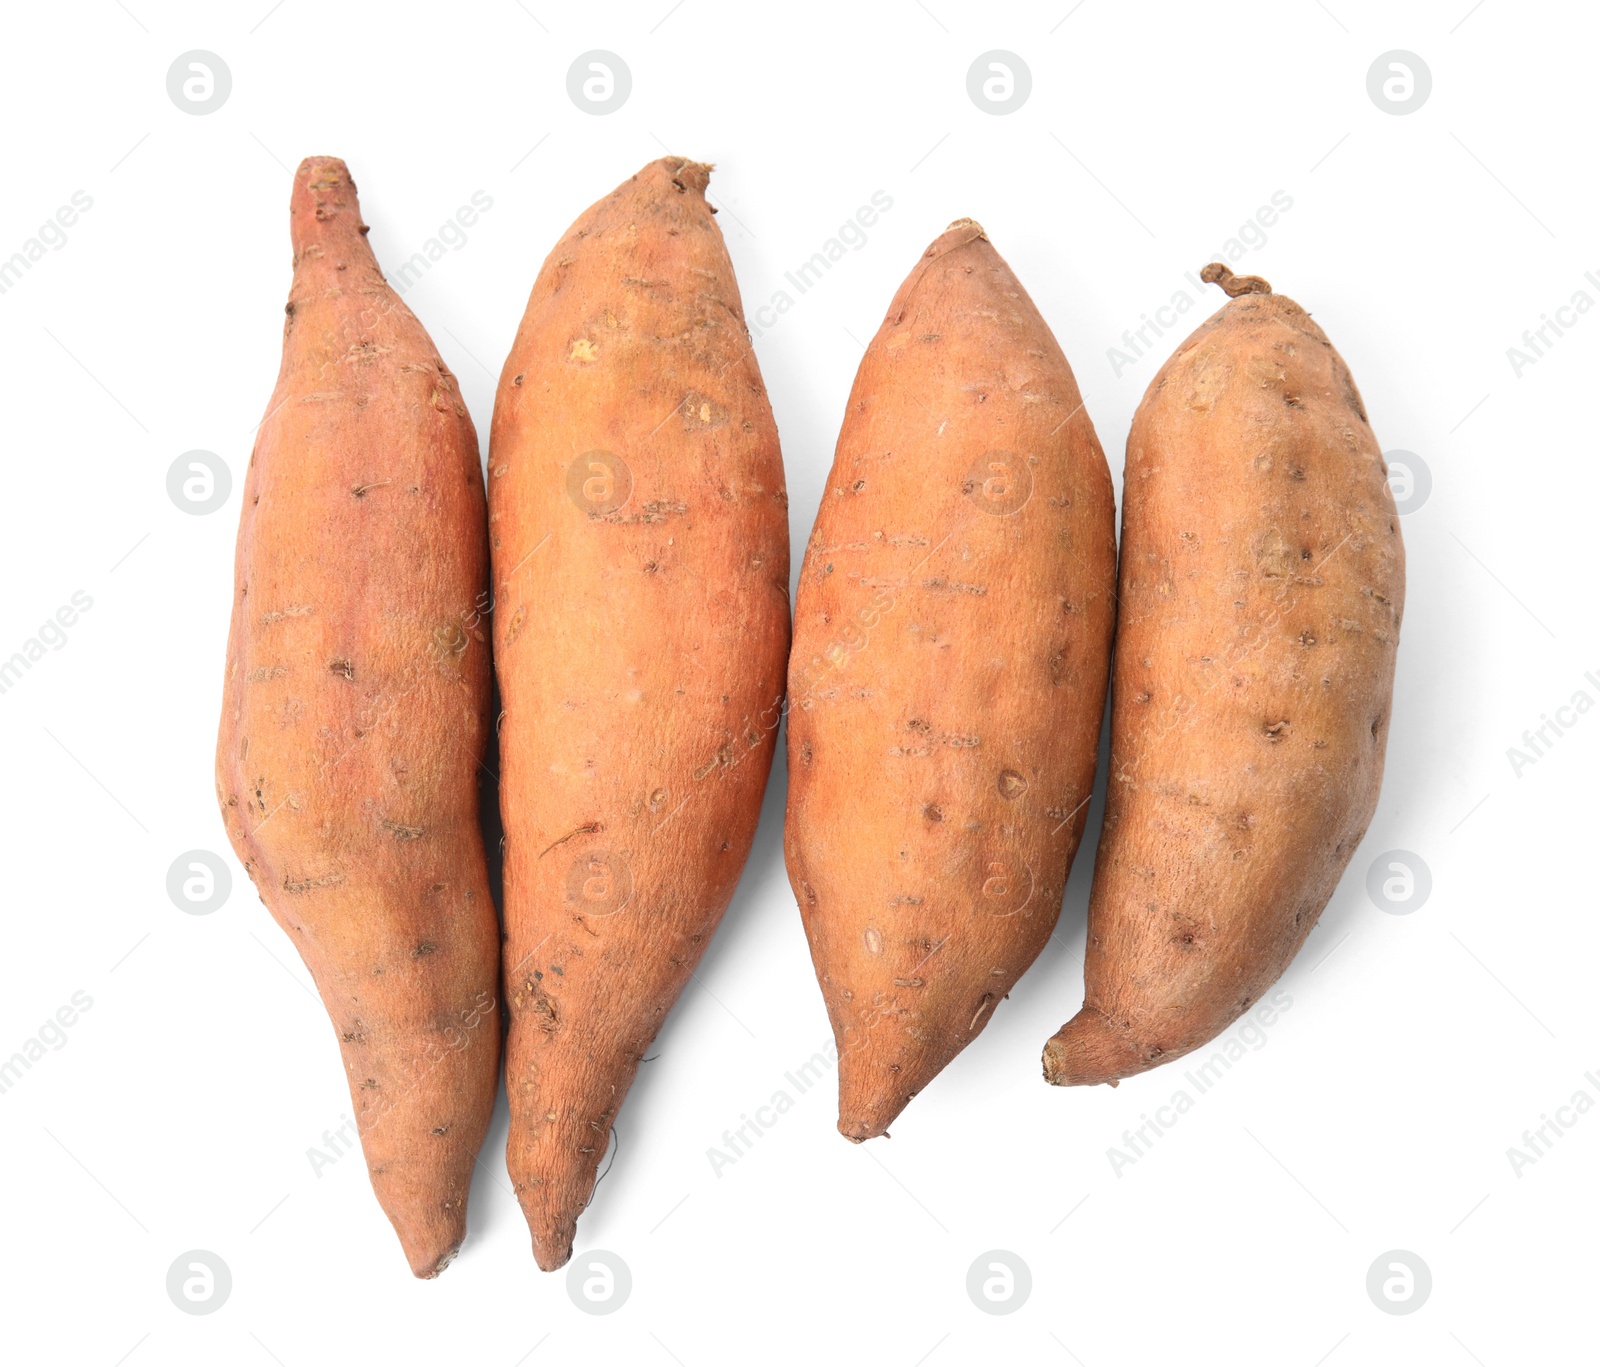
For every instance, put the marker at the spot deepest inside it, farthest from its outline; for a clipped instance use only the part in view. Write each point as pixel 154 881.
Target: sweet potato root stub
pixel 355 711
pixel 1262 583
pixel 641 560
pixel 952 643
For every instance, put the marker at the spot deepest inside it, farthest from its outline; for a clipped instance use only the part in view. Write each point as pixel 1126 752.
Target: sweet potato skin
pixel 355 712
pixel 952 644
pixel 1261 588
pixel 639 535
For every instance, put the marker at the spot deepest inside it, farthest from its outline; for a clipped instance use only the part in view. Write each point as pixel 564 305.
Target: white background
pixel 1379 1111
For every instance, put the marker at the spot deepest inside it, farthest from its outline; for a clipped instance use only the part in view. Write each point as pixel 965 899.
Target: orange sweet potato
pixel 952 644
pixel 355 711
pixel 1262 582
pixel 641 560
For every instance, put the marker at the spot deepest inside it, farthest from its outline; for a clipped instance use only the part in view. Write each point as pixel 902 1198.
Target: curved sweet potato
pixel 355 711
pixel 641 560
pixel 952 643
pixel 1262 582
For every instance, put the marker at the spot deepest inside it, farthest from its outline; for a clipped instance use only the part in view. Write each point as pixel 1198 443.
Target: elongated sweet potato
pixel 355 711
pixel 952 644
pixel 1262 583
pixel 641 559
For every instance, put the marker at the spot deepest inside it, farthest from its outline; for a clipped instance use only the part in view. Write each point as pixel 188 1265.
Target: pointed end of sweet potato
pixel 552 1242
pixel 324 212
pixel 1091 1048
pixel 429 1241
pixel 688 175
pixel 870 1099
pixel 553 1190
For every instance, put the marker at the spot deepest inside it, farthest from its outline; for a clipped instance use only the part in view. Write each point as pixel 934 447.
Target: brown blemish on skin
pixel 588 828
pixel 327 880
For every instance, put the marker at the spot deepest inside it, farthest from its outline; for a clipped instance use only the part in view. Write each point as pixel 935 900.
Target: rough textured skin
pixel 640 543
pixel 355 712
pixel 952 646
pixel 1262 582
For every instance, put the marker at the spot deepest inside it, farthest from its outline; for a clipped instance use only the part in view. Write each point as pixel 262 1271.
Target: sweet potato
pixel 1261 587
pixel 355 711
pixel 952 645
pixel 640 545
